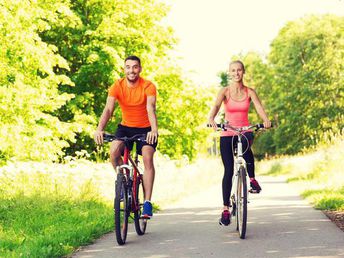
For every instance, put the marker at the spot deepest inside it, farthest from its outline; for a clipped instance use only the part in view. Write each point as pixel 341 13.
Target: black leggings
pixel 228 161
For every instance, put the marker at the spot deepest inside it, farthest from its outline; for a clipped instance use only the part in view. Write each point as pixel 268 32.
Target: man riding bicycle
pixel 137 100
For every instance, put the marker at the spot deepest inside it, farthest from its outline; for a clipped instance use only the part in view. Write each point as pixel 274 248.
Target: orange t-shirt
pixel 133 101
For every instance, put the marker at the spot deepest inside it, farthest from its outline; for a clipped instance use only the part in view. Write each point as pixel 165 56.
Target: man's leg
pixel 116 150
pixel 149 173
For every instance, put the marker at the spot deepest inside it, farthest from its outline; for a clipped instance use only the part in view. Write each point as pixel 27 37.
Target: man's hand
pixel 98 137
pixel 152 137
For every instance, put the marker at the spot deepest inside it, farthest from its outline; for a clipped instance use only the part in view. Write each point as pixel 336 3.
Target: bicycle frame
pixel 127 190
pixel 238 162
pixel 132 174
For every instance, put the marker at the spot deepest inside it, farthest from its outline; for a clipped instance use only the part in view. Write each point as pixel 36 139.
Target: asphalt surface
pixel 280 224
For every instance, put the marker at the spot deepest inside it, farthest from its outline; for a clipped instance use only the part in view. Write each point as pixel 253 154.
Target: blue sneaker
pixel 147 210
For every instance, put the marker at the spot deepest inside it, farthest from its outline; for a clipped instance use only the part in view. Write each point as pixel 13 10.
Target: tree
pixel 182 114
pixel 307 59
pixel 29 81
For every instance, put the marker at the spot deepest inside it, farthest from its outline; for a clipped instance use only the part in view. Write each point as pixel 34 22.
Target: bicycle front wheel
pixel 121 209
pixel 241 202
pixel 140 223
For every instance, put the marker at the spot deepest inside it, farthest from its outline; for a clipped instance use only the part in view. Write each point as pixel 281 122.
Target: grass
pixel 49 210
pixel 49 214
pixel 318 173
pixel 327 199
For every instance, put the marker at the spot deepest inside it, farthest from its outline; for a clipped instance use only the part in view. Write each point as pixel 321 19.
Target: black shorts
pixel 125 131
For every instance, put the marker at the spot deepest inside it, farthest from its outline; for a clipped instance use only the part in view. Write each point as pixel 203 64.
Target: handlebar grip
pixel 218 125
pixel 108 137
pixel 261 126
pixel 221 126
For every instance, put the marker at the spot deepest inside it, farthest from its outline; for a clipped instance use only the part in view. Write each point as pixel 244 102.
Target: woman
pixel 236 98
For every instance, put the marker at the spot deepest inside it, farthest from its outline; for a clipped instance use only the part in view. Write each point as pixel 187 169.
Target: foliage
pixel 181 114
pixel 29 81
pixel 307 90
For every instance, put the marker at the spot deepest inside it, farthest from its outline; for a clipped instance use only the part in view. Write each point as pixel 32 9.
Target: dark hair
pixel 134 58
pixel 238 62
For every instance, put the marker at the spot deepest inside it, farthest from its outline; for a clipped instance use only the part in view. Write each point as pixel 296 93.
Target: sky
pixel 210 32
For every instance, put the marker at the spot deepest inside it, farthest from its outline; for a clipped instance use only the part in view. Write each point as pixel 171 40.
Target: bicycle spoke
pixel 140 224
pixel 121 210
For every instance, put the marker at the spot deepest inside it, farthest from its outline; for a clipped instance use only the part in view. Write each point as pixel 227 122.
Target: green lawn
pixel 319 173
pixel 49 214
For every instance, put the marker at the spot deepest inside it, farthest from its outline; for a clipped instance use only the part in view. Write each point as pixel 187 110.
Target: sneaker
pixel 147 210
pixel 225 219
pixel 255 187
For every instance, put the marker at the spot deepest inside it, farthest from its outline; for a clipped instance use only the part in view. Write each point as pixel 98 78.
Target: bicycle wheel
pixel 140 223
pixel 242 203
pixel 121 210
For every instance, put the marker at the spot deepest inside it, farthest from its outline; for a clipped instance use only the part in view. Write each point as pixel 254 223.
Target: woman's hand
pixel 212 123
pixel 267 124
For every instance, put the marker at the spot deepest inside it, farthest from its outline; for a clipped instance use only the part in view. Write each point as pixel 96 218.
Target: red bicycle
pixel 129 190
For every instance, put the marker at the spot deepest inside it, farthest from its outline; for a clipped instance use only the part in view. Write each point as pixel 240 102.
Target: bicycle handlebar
pixel 224 127
pixel 111 137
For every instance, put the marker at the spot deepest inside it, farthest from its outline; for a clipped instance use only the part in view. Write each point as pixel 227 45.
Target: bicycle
pixel 239 193
pixel 129 190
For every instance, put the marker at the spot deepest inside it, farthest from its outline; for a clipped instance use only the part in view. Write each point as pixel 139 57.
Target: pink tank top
pixel 236 113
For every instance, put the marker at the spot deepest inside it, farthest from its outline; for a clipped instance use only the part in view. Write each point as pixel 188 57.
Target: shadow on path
pixel 280 224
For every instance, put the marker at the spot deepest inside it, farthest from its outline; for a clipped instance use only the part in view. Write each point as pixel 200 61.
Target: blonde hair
pixel 238 62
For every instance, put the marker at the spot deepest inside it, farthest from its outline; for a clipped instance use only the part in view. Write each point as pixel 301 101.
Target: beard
pixel 135 78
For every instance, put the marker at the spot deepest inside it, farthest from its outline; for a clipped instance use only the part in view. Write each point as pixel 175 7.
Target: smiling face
pixel 132 69
pixel 236 71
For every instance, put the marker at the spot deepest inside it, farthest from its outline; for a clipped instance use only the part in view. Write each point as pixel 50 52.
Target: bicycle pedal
pixel 254 191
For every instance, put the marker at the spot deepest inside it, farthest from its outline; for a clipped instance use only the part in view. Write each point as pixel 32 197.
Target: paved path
pixel 280 224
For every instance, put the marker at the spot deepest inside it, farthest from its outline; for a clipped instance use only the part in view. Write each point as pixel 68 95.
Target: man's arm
pixel 104 119
pixel 152 136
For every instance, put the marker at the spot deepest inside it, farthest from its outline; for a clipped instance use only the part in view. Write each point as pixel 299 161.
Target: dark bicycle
pixel 129 190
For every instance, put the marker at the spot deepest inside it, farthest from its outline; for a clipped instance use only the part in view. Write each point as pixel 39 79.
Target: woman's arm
pixel 215 109
pixel 259 107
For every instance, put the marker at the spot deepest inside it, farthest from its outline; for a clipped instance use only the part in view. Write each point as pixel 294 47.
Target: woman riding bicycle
pixel 236 98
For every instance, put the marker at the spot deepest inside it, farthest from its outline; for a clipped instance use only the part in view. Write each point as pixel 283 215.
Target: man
pixel 137 100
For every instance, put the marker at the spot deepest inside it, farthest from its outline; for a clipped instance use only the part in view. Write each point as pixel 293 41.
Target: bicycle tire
pixel 121 209
pixel 140 223
pixel 242 203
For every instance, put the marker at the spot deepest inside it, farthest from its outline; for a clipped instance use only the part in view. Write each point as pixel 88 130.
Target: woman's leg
pixel 228 163
pixel 248 155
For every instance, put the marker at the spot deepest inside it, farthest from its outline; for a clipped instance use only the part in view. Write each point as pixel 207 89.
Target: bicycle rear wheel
pixel 241 203
pixel 121 209
pixel 140 223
